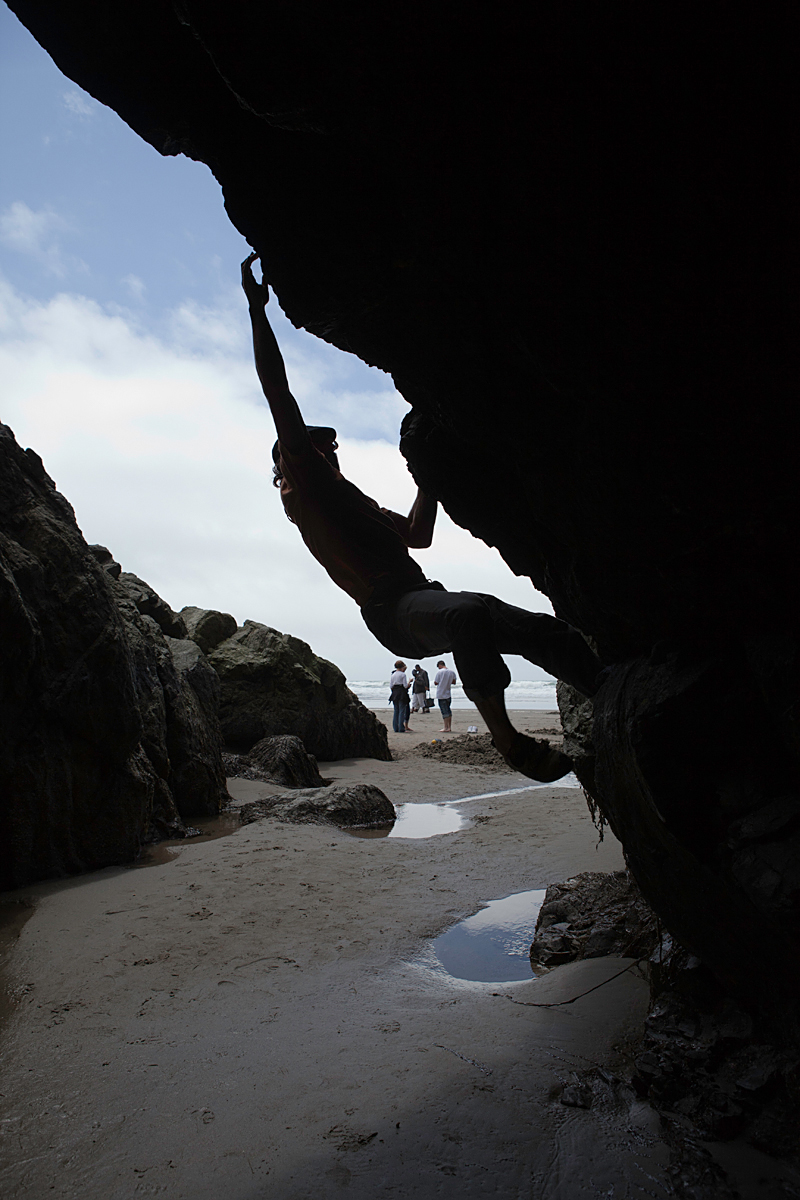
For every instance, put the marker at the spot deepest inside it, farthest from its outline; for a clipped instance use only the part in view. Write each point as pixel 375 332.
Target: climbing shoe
pixel 537 759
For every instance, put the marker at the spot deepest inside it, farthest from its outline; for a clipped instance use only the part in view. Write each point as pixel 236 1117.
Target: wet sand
pixel 261 1016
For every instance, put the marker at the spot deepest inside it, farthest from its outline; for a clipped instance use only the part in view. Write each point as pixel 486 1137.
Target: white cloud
pixel 36 234
pixel 27 231
pixel 163 446
pixel 135 286
pixel 78 103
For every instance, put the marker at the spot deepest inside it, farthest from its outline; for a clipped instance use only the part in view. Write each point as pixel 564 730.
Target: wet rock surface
pixel 713 1069
pixel 722 1067
pixel 108 741
pixel 273 683
pixel 593 915
pixel 356 806
pixel 284 759
pixel 644 316
pixel 110 711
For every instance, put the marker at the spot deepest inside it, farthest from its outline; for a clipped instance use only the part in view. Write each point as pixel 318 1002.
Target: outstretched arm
pixel 289 423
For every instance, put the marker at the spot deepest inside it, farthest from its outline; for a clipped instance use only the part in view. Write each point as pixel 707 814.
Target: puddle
pixel 418 821
pixel 494 945
pixel 13 915
pixel 167 851
pixel 427 820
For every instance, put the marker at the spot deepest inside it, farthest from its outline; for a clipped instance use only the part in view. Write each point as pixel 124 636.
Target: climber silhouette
pixel 364 549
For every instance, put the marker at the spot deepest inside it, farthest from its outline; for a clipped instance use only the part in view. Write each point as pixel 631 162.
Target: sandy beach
pixel 262 1015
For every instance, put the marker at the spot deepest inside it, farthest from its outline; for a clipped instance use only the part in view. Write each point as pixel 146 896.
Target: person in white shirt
pixel 399 697
pixel 443 682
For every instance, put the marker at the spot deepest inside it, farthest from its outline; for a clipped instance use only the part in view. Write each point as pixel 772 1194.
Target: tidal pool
pixel 418 821
pixel 494 945
pixel 210 829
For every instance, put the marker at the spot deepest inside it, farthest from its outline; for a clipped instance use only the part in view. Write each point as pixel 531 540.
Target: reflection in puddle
pixel 494 945
pixel 418 821
pixel 210 828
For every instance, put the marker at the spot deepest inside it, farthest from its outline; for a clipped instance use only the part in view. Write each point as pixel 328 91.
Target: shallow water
pixel 418 821
pixel 167 851
pixel 428 820
pixel 567 781
pixel 493 946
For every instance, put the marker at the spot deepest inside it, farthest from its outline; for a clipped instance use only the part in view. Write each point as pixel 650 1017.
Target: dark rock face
pixel 357 806
pixel 713 1068
pixel 618 186
pixel 591 916
pixel 194 740
pixel 272 683
pixel 713 1061
pixel 108 738
pixel 285 760
pixel 150 604
pixel 207 627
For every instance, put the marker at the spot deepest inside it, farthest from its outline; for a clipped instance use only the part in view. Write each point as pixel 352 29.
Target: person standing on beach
pixel 399 696
pixel 364 549
pixel 443 681
pixel 419 690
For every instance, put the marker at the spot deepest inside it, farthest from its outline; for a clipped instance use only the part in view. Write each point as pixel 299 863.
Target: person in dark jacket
pixel 419 689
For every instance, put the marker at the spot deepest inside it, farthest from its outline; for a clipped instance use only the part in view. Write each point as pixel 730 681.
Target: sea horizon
pixel 521 694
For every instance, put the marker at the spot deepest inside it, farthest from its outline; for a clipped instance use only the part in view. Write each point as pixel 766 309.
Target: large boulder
pixel 593 915
pixel 284 759
pixel 105 741
pixel 354 806
pixel 207 627
pixel 273 683
pixel 620 186
pixel 194 740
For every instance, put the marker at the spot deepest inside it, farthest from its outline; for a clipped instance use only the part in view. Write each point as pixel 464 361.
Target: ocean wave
pixel 521 693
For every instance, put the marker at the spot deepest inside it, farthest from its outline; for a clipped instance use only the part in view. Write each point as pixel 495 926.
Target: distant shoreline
pixel 522 695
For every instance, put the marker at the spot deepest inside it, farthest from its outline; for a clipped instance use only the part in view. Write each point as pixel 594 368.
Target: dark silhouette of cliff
pixel 569 232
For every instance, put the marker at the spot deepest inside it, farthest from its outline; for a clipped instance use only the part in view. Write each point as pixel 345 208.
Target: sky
pixel 126 362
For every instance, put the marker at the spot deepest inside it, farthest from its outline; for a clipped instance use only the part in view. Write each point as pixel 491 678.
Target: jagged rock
pixel 725 1068
pixel 635 372
pixel 239 766
pixel 576 711
pixel 105 742
pixel 284 759
pixel 712 1069
pixel 194 740
pixel 150 604
pixel 207 627
pixel 593 915
pixel 355 806
pixel 272 683
pixel 178 698
pixel 104 557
